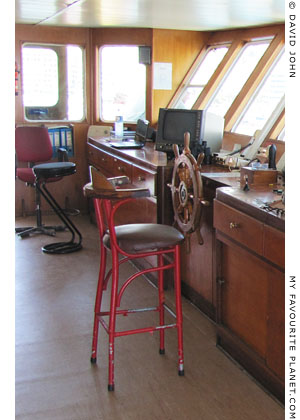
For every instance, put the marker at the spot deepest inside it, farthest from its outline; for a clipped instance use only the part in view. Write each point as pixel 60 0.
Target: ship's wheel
pixel 187 190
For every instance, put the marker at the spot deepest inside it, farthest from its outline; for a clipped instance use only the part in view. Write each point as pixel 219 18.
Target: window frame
pixel 55 47
pixel 186 83
pixel 237 39
pixel 257 92
pixel 231 68
pixel 99 115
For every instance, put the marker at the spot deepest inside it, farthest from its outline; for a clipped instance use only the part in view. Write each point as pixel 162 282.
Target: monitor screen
pixel 174 123
pixel 177 123
pixel 202 126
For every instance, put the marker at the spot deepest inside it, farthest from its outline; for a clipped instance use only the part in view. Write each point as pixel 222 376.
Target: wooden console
pixel 250 284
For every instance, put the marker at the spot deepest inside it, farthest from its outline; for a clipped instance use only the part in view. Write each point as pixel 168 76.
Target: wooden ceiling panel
pixel 169 14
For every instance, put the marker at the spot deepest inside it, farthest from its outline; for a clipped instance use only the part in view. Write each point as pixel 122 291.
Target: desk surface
pixel 147 156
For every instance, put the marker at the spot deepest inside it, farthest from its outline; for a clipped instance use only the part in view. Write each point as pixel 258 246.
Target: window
pixel 264 101
pixel 122 83
pixel 199 79
pixel 236 77
pixel 281 135
pixel 40 77
pixel 53 82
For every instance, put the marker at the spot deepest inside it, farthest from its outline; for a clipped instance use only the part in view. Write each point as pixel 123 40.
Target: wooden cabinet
pixel 250 306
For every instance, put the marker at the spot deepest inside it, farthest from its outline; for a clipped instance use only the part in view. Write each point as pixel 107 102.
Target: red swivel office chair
pixel 126 243
pixel 34 147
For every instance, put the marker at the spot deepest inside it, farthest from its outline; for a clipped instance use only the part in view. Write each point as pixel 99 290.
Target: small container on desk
pixel 258 176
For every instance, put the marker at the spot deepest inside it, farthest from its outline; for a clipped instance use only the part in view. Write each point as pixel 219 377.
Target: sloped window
pixel 264 101
pixel 199 79
pixel 122 83
pixel 281 135
pixel 237 77
pixel 53 82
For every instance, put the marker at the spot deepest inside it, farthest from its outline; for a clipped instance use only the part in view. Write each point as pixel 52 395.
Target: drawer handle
pixel 233 225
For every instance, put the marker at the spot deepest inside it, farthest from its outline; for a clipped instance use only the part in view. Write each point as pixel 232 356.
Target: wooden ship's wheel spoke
pixel 187 190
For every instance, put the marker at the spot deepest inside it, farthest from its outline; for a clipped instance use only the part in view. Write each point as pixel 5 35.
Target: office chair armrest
pixel 62 155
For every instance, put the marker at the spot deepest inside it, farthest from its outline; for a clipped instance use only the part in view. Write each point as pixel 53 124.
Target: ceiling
pixel 201 15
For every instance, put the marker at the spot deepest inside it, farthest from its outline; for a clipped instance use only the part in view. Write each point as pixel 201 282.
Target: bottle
pixel 119 126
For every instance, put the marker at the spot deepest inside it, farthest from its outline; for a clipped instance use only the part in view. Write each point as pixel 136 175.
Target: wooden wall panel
pixel 179 48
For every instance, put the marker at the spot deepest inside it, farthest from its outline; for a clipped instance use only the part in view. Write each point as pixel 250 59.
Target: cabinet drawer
pixel 100 160
pixel 238 226
pixel 274 245
pixel 144 178
pixel 122 168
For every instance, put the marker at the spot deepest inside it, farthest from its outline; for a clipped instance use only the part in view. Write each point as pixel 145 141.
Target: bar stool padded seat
pixel 54 170
pixel 142 237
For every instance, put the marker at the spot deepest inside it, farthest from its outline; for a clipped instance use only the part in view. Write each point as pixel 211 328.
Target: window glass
pixel 40 76
pixel 264 101
pixel 282 135
pixel 209 64
pixel 236 77
pixel 200 78
pixel 122 84
pixel 188 97
pixel 75 83
pixel 53 82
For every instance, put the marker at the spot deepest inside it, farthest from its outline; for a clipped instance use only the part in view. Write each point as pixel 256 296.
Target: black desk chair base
pixel 40 228
pixel 30 230
pixel 42 172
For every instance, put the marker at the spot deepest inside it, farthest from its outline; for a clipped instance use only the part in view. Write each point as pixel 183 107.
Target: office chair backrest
pixel 33 144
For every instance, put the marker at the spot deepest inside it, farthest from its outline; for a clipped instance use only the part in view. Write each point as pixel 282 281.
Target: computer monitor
pixel 205 130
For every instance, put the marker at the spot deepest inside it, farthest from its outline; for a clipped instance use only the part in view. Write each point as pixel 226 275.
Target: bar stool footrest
pixel 61 247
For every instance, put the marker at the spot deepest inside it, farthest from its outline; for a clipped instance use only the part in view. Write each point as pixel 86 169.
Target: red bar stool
pixel 129 242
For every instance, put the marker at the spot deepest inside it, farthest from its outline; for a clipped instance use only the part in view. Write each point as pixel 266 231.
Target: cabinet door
pixel 198 260
pixel 274 246
pixel 244 301
pixel 276 322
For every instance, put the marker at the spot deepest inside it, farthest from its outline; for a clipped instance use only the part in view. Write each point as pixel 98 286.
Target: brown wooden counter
pixel 250 283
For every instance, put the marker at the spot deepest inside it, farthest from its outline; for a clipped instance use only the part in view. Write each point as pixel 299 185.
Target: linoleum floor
pixel 55 380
